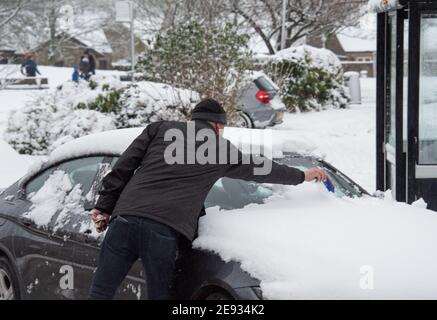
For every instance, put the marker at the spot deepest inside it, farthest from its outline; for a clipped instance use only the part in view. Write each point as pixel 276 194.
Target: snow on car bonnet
pixel 305 243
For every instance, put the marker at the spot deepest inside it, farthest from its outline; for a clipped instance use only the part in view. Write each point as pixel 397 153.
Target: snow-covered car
pixel 49 248
pixel 259 102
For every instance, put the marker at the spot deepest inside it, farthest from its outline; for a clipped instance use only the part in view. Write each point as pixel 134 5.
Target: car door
pixel 81 230
pixel 55 197
pixel 30 243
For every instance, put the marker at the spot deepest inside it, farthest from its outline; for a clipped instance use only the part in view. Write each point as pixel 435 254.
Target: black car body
pixel 55 262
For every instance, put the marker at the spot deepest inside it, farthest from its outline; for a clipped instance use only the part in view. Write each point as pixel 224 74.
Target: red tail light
pixel 263 97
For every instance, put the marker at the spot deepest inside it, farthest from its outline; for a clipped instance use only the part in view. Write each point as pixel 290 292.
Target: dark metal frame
pixel 408 187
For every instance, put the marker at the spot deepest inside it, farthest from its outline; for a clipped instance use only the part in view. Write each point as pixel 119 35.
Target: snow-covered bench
pixel 24 83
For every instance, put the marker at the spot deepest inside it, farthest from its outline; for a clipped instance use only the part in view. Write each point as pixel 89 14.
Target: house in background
pixel 355 53
pixel 6 55
pixel 11 53
pixel 70 48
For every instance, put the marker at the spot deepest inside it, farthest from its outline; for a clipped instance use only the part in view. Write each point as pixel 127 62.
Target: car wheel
pixel 8 282
pixel 244 121
pixel 219 296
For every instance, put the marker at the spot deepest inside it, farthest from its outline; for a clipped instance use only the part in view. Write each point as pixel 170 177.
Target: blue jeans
pixel 129 238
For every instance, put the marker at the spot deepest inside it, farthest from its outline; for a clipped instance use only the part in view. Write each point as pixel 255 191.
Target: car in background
pixel 259 103
pixel 36 257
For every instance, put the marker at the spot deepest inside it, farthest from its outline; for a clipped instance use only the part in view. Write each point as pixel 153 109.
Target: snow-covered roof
pixel 356 44
pixel 95 39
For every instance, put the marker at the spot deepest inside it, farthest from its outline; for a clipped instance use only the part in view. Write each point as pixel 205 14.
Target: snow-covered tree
pixel 210 61
pixel 9 10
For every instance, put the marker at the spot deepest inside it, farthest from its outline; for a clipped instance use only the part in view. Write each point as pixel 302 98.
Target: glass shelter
pixel 406 112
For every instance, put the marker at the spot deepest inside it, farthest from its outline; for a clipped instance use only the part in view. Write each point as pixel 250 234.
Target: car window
pixel 37 182
pixel 265 84
pixel 229 194
pixel 82 171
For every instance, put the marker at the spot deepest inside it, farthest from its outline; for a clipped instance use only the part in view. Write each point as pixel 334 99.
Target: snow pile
pixel 305 243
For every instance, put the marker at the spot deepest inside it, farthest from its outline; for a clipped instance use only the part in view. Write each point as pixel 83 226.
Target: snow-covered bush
pixel 146 102
pixel 28 129
pixel 209 61
pixel 55 117
pixel 78 123
pixel 308 78
pixel 74 110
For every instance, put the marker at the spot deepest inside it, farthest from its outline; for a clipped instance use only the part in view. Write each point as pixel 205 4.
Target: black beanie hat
pixel 209 110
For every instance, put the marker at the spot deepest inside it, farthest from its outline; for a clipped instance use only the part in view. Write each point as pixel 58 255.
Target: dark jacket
pixel 30 67
pixel 87 65
pixel 143 184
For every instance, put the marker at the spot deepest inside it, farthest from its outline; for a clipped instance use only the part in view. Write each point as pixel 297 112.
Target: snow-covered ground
pixel 345 136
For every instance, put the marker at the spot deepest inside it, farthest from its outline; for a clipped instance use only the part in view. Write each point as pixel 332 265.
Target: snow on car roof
pixel 115 142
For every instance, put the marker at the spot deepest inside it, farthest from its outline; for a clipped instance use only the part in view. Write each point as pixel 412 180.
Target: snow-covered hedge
pixel 308 78
pixel 146 102
pixel 74 110
pixel 208 60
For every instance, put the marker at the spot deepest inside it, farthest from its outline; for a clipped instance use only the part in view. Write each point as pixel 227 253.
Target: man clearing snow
pixel 154 195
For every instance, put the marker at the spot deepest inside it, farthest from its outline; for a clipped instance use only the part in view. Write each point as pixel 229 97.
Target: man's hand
pixel 316 174
pixel 101 220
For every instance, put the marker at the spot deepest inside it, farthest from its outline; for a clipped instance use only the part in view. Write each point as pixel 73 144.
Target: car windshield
pixel 343 185
pixel 229 194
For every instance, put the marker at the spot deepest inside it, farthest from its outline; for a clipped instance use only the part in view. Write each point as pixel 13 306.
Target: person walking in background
pixel 29 67
pixel 87 65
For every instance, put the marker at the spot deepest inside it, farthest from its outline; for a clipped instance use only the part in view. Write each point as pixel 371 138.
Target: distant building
pixel 71 47
pixel 11 54
pixel 356 54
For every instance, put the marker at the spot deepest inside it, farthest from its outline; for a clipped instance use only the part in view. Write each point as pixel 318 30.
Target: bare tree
pixel 303 18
